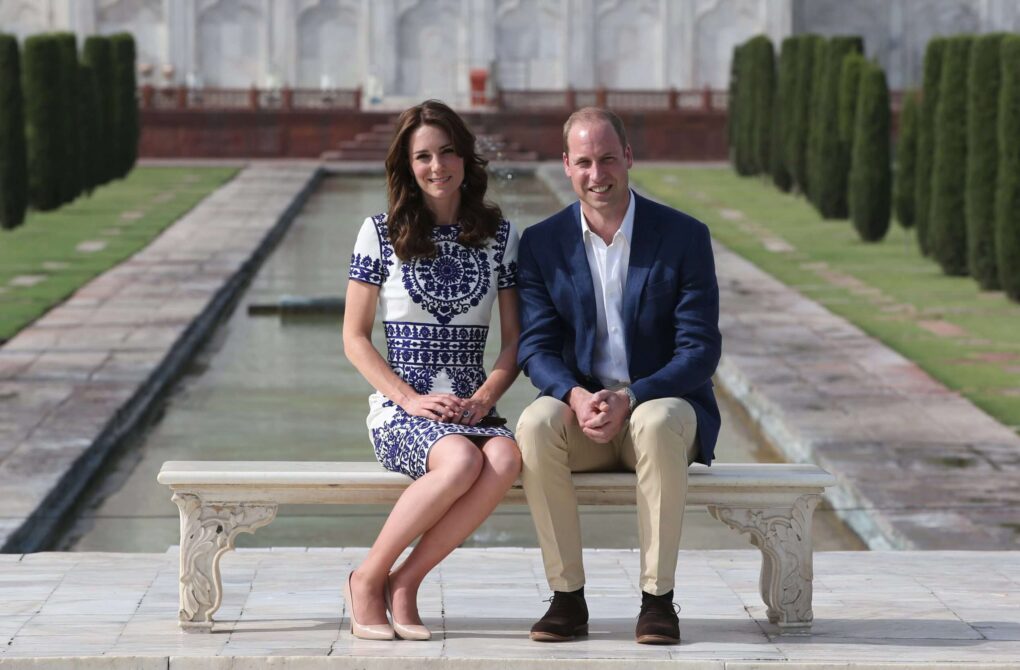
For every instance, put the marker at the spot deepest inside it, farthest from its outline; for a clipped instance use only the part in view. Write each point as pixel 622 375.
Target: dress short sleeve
pixel 368 262
pixel 508 259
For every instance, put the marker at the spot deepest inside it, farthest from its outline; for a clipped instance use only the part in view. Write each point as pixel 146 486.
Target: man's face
pixel 597 165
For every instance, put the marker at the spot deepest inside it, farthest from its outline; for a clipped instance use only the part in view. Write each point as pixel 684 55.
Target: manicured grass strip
pixel 54 253
pixel 964 337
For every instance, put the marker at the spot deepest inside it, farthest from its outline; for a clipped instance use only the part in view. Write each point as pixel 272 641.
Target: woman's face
pixel 437 168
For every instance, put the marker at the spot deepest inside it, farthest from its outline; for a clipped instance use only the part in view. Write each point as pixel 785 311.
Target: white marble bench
pixel 772 503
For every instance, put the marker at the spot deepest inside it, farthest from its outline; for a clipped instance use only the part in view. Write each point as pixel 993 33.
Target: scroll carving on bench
pixel 784 537
pixel 208 531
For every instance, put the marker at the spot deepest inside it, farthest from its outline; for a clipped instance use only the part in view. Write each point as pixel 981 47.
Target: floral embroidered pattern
pixel 402 444
pixel 369 268
pixel 506 272
pixel 419 352
pixel 451 282
pixel 418 302
pixel 428 344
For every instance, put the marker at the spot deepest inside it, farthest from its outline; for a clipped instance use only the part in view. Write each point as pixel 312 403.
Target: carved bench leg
pixel 207 532
pixel 784 537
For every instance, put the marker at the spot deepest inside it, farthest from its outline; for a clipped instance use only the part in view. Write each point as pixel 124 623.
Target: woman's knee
pixel 503 456
pixel 456 459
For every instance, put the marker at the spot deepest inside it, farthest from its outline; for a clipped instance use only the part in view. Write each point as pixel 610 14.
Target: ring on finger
pixel 466 414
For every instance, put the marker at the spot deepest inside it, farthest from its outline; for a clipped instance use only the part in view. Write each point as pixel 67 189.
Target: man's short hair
pixel 595 114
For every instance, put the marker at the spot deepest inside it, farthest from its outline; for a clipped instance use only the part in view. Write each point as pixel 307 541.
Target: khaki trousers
pixel 657 443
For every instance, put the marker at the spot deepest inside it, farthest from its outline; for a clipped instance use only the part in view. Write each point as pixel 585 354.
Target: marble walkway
pixel 872 610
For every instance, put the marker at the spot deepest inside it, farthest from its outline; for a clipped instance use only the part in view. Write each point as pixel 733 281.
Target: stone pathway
pixel 919 466
pixel 82 376
pixel 879 609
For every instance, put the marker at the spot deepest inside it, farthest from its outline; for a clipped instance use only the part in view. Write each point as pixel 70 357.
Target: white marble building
pixel 403 50
pixel 400 50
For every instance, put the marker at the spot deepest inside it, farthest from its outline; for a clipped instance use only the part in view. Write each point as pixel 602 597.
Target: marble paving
pixel 872 609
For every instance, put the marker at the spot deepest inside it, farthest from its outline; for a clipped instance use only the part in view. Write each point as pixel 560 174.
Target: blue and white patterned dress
pixel 435 312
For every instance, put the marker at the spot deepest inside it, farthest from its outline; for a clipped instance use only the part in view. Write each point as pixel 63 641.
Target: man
pixel 619 317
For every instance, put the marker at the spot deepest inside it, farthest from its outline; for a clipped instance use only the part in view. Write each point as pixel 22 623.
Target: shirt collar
pixel 626 230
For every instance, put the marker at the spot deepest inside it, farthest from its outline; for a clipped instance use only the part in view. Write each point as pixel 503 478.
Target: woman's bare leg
pixel 453 467
pixel 500 467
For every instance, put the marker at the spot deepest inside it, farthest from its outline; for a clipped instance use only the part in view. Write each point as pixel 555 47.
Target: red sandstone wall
pixel 684 135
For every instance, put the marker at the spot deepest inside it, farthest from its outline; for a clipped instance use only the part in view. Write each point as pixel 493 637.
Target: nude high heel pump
pixel 376 631
pixel 405 632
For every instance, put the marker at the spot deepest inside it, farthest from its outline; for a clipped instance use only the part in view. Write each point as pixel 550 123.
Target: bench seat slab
pixel 772 504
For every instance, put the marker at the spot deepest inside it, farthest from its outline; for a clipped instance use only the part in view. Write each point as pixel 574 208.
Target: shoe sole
pixel 657 639
pixel 538 636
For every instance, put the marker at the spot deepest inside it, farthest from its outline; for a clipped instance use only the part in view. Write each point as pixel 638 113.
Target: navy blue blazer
pixel 670 311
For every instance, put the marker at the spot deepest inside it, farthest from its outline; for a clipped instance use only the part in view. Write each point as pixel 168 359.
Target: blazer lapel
pixel 643 248
pixel 577 259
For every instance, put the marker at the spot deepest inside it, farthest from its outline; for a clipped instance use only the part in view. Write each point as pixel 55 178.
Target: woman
pixel 434 263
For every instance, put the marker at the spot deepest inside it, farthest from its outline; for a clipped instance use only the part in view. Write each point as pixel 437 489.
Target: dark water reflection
pixel 279 388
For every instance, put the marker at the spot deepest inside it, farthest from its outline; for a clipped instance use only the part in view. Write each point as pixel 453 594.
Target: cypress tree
pixel 13 160
pixel 802 111
pixel 89 128
pixel 764 84
pixel 983 80
pixel 832 159
pixel 782 118
pixel 733 104
pixel 126 102
pixel 812 159
pixel 906 159
pixel 849 84
pixel 745 111
pixel 926 140
pixel 948 227
pixel 1007 192
pixel 870 176
pixel 70 178
pixel 731 107
pixel 98 54
pixel 44 121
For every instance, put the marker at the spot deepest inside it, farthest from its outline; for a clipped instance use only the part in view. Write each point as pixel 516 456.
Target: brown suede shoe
pixel 566 618
pixel 658 622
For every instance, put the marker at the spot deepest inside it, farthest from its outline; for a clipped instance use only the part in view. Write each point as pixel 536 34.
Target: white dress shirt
pixel 609 265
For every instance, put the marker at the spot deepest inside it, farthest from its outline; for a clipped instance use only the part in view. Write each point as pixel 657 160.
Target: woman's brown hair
pixel 409 220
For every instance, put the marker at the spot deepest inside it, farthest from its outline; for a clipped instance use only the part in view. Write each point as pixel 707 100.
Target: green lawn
pixel 53 253
pixel 967 338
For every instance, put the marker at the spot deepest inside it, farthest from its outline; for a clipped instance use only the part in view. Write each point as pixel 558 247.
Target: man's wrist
pixel 574 395
pixel 631 399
